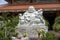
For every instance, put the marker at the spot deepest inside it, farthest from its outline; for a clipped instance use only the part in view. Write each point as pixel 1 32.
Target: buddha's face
pixel 31 9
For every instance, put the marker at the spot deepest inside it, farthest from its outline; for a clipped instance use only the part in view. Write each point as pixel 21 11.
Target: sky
pixel 2 2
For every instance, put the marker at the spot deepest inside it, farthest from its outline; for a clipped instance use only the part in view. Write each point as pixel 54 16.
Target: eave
pixel 25 7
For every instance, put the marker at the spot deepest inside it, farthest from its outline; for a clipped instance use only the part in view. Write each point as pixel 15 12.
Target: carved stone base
pixel 32 30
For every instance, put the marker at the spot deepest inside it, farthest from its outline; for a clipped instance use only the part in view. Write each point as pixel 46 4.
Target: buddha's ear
pixel 31 9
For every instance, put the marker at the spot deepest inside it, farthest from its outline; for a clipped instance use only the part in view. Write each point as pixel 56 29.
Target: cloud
pixel 2 2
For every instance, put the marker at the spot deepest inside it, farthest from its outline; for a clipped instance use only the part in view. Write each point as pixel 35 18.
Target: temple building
pixel 22 5
pixel 51 8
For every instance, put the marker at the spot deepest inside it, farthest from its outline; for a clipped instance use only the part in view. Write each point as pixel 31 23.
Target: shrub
pixel 56 25
pixel 48 36
pixel 57 19
pixel 8 29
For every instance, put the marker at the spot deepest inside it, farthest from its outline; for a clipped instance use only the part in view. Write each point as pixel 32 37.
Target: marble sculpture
pixel 30 21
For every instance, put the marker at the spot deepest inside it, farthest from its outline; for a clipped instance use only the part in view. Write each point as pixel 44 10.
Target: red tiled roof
pixel 24 7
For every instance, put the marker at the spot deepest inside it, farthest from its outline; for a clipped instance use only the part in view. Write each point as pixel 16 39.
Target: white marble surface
pixel 25 38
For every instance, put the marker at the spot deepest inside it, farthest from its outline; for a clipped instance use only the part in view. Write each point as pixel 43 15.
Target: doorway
pixel 50 16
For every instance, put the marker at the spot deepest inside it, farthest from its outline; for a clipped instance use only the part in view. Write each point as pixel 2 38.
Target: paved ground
pixel 57 34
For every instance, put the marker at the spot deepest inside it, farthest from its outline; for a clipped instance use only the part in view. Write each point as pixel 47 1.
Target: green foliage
pixel 57 20
pixel 56 25
pixel 48 36
pixel 46 22
pixel 8 28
